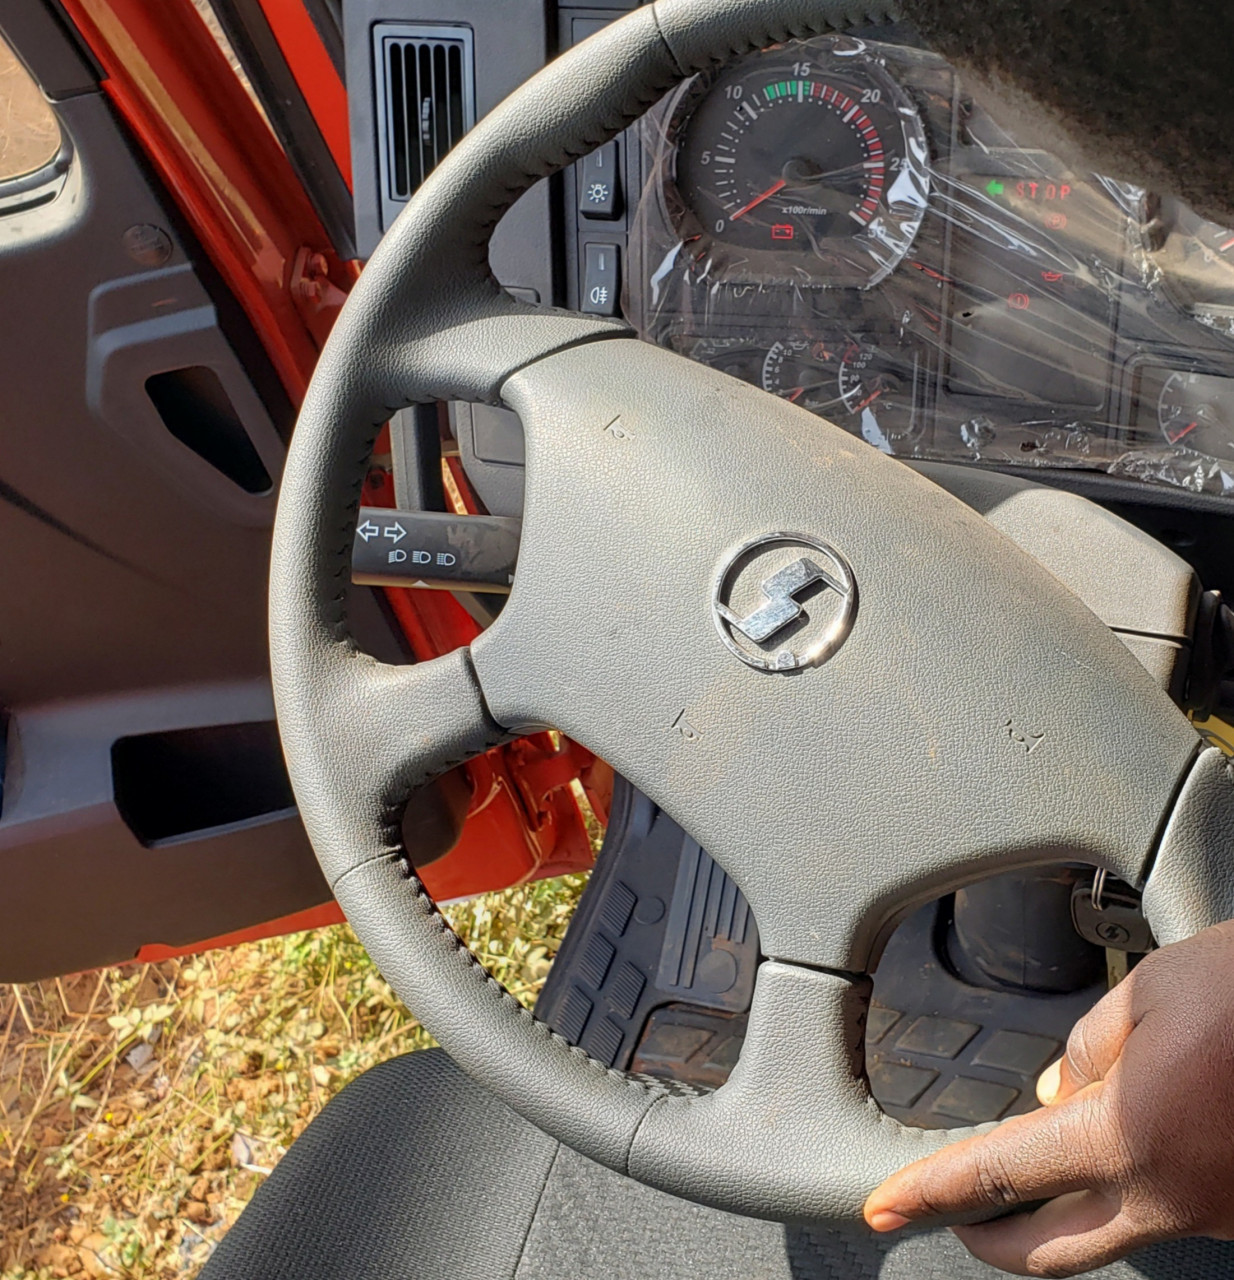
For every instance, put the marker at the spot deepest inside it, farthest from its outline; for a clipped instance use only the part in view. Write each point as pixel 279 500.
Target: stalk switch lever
pixel 434 549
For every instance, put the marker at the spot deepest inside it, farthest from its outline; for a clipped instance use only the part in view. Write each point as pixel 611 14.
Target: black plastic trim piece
pixel 254 43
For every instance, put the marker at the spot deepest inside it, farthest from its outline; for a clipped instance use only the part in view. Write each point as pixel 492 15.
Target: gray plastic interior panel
pixel 130 562
pixel 134 576
pixel 1128 579
pixel 80 890
pixel 1144 592
pixel 164 320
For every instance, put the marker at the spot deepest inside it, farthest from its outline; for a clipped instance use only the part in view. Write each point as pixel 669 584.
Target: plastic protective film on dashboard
pixel 844 224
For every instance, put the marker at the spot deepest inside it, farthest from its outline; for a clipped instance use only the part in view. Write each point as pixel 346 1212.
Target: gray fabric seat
pixel 414 1171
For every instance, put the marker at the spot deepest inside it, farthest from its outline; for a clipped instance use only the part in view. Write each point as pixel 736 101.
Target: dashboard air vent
pixel 425 103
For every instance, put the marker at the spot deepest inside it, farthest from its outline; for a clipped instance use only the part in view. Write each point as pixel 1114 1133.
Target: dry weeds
pixel 140 1107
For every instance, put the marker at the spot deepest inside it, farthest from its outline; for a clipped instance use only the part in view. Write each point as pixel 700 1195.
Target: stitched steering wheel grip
pixel 832 827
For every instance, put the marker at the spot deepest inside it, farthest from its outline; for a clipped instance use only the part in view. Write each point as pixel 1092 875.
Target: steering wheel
pixel 852 690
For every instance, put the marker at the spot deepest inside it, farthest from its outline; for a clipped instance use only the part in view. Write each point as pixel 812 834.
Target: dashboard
pixel 845 224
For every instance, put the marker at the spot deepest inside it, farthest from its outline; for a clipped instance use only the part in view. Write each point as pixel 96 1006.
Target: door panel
pixel 132 589
pixel 174 272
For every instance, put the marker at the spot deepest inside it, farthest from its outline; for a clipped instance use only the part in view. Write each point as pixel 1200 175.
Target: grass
pixel 140 1107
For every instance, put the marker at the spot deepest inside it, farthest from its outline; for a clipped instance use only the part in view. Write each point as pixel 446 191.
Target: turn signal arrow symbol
pixel 368 530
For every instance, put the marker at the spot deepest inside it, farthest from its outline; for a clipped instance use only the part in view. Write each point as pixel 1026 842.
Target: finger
pixel 1037 1156
pixel 1093 1046
pixel 1069 1236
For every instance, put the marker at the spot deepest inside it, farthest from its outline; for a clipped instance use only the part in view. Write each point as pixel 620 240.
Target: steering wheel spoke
pixel 403 727
pixel 796 1113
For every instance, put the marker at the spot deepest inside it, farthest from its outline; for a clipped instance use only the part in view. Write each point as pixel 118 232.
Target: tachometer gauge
pixel 806 164
pixel 1196 411
pixel 870 392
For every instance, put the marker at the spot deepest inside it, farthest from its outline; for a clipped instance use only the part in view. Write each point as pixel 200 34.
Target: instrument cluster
pixel 844 224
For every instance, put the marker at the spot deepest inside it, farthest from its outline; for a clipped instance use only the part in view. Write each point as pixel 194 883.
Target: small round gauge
pixel 1196 411
pixel 1195 258
pixel 739 355
pixel 863 388
pixel 807 165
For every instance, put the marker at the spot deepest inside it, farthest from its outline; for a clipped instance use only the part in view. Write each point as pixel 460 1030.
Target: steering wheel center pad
pixel 978 717
pixel 975 717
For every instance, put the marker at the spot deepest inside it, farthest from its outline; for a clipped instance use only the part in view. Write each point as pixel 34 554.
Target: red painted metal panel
pixel 214 151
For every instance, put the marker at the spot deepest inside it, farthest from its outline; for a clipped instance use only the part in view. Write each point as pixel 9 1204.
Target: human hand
pixel 1135 1142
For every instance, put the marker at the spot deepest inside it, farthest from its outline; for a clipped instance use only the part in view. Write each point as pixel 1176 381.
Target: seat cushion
pixel 415 1172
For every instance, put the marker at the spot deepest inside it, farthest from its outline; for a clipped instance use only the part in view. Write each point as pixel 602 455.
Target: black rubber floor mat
pixel 657 971
pixel 684 1042
pixel 941 1053
pixel 660 923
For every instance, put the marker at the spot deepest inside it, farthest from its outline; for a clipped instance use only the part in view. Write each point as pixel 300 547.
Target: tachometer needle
pixel 766 195
pixel 1186 431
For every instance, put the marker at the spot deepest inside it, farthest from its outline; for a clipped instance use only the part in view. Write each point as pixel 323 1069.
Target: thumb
pixel 1093 1047
pixel 1038 1156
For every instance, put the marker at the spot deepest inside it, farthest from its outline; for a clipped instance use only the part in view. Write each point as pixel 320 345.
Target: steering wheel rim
pixel 794 1135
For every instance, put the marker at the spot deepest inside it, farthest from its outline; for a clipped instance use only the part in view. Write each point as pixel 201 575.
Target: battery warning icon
pixel 783 231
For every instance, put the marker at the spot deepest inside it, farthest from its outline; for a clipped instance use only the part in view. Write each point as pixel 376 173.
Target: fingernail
pixel 1049 1083
pixel 888 1220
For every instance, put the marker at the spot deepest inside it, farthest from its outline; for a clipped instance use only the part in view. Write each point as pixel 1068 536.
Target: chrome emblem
pixel 786 585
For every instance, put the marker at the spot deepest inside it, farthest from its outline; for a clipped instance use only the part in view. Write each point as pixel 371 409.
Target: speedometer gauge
pixel 804 165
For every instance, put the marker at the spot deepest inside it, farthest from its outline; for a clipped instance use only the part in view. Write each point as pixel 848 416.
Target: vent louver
pixel 426 102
